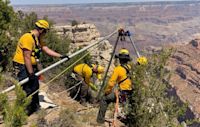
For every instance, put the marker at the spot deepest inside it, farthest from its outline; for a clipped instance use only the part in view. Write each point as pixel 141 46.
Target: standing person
pixel 25 60
pixel 121 77
pixel 85 72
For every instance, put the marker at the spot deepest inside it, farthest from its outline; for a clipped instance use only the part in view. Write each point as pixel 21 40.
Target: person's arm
pixel 87 78
pixel 51 52
pixel 112 81
pixel 27 60
pixel 89 83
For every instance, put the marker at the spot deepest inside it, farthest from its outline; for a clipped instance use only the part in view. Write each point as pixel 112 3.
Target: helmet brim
pixel 123 57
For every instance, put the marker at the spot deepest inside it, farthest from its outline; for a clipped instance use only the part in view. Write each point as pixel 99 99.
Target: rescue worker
pixel 120 77
pixel 85 72
pixel 25 60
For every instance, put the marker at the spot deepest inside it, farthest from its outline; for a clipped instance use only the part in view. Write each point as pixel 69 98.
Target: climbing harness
pixel 37 51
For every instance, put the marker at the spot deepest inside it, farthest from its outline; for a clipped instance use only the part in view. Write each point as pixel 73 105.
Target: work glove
pixel 93 87
pixel 64 56
pixel 32 77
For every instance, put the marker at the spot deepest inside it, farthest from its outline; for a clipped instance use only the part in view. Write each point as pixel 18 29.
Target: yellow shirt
pixel 118 75
pixel 85 71
pixel 26 42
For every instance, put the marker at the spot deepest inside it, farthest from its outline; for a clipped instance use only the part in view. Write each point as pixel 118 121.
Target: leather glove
pixel 64 56
pixel 32 77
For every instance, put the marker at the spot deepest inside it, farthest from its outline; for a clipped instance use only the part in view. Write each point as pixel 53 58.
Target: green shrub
pixel 150 105
pixel 14 114
pixel 74 23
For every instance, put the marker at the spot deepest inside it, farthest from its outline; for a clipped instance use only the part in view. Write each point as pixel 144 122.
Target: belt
pixel 20 65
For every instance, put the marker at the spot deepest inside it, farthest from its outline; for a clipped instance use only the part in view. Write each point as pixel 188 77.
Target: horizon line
pixel 106 3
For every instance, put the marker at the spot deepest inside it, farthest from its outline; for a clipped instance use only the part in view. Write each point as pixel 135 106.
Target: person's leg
pixel 73 81
pixel 106 100
pixel 29 88
pixel 83 93
pixel 22 74
pixel 90 97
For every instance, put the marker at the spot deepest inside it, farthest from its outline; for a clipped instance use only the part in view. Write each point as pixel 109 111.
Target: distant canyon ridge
pixel 152 23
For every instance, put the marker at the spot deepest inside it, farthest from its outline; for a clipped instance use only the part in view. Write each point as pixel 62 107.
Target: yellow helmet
pixel 124 51
pixel 42 24
pixel 99 70
pixel 142 60
pixel 123 54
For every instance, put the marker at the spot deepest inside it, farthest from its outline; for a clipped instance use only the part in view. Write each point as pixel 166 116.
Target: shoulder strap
pixel 127 73
pixel 34 40
pixel 126 68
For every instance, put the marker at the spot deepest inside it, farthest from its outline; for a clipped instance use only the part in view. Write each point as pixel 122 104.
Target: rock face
pixel 102 55
pixel 185 62
pixel 85 34
pixel 79 33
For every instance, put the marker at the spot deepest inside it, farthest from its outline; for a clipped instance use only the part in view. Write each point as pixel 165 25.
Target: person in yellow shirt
pixel 120 77
pixel 25 60
pixel 83 72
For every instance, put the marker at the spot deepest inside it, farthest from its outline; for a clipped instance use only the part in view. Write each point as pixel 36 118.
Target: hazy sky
pixel 17 2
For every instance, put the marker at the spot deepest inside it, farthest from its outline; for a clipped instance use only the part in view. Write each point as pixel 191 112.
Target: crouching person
pixel 83 73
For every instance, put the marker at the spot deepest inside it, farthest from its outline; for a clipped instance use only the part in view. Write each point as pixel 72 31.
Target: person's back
pixel 84 71
pixel 120 77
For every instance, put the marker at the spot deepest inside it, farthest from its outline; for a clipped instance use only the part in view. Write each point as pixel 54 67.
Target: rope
pixel 79 88
pixel 77 84
pixel 114 124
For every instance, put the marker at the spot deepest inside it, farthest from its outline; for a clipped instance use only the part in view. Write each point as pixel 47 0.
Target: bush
pixel 14 114
pixel 74 23
pixel 150 106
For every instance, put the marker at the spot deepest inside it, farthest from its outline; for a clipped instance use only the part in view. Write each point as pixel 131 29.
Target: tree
pixel 74 23
pixel 6 14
